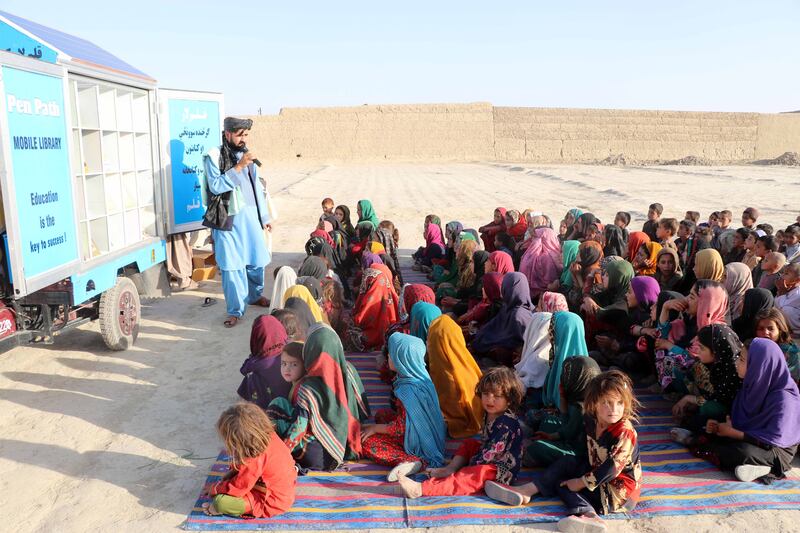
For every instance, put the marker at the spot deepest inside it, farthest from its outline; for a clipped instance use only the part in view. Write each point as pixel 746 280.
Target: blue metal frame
pixel 96 281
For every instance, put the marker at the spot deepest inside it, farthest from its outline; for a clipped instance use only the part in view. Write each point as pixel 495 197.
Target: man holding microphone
pixel 240 248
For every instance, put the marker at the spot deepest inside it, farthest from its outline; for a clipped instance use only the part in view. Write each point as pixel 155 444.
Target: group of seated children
pixel 530 339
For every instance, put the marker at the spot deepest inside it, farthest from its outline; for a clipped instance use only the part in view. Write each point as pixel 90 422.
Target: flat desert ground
pixel 94 440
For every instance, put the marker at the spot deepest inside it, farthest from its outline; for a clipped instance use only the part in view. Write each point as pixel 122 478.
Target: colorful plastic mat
pixel 358 496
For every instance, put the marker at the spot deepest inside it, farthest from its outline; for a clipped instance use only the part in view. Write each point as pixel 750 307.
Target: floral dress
pixel 501 445
pixel 616 470
pixel 388 448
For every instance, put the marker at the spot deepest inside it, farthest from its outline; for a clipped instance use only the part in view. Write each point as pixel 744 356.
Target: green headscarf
pixel 331 383
pixel 569 252
pixel 368 213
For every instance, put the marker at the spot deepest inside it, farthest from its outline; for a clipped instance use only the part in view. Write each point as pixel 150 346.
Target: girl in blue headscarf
pixel 422 314
pixel 569 339
pixel 413 437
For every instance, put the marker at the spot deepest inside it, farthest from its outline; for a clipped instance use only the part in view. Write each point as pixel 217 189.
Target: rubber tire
pixel 110 328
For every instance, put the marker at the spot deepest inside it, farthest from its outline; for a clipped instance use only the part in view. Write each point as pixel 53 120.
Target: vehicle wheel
pixel 119 315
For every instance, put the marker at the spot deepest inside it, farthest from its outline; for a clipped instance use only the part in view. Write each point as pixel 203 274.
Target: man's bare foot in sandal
pixel 210 510
pixel 262 302
pixel 230 321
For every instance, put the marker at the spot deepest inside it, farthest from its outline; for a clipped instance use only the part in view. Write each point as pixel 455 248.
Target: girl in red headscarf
pixel 491 229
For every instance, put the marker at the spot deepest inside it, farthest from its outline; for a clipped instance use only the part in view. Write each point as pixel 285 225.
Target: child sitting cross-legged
pixel 262 478
pixel 414 436
pixel 497 456
pixel 610 481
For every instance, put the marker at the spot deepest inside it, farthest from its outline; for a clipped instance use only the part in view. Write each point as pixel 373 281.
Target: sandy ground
pixel 94 440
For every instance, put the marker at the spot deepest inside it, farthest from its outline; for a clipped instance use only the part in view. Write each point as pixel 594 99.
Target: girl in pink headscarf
pixel 542 263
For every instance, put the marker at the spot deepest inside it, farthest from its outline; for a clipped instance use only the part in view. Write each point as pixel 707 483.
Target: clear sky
pixel 681 55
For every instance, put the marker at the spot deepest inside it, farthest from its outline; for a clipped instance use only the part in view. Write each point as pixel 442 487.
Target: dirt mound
pixel 692 160
pixel 789 159
pixel 617 160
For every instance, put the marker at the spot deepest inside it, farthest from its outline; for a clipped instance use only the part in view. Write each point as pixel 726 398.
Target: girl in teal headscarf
pixel 366 213
pixel 568 340
pixel 422 314
pixel 413 438
pixel 569 252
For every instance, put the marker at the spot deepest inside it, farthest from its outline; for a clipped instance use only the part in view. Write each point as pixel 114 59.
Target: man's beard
pixel 241 147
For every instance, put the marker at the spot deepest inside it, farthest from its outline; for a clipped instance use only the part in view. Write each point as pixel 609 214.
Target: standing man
pixel 241 252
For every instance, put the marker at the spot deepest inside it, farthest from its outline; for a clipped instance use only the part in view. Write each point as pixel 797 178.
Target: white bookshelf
pixel 132 231
pixel 107 107
pixel 144 155
pixel 87 106
pixel 145 181
pixel 110 152
pixel 130 191
pixel 112 166
pixel 124 111
pixel 147 220
pixel 113 194
pixel 127 152
pixel 141 116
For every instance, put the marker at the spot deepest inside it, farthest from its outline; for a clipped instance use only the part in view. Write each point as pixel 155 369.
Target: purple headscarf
pixel 646 290
pixel 507 328
pixel 368 259
pixel 768 406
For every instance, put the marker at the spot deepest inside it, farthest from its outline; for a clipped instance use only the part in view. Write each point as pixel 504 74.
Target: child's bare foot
pixel 409 487
pixel 511 495
pixel 587 523
pixel 210 510
pixel 404 469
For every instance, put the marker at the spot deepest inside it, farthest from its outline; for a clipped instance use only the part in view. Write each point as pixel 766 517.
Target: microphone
pixel 256 161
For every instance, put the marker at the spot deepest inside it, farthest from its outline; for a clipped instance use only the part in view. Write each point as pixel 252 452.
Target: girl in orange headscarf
pixel 635 241
pixel 646 260
pixel 455 374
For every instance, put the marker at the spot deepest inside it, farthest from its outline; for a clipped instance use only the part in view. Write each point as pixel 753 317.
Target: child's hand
pixel 678 304
pixel 649 264
pixel 368 430
pixel 650 332
pixel 575 484
pixel 663 344
pixel 712 427
pixel 443 471
pixel 725 429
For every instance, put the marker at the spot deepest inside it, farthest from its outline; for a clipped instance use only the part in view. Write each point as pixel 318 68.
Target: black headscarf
pixel 313 266
pixel 479 259
pixel 616 244
pixel 586 219
pixel 313 285
pixel 347 225
pixel 576 373
pixel 755 301
pixel 725 345
pixel 317 246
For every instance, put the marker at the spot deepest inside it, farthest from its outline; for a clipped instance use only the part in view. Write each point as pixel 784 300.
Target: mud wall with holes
pixel 481 132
